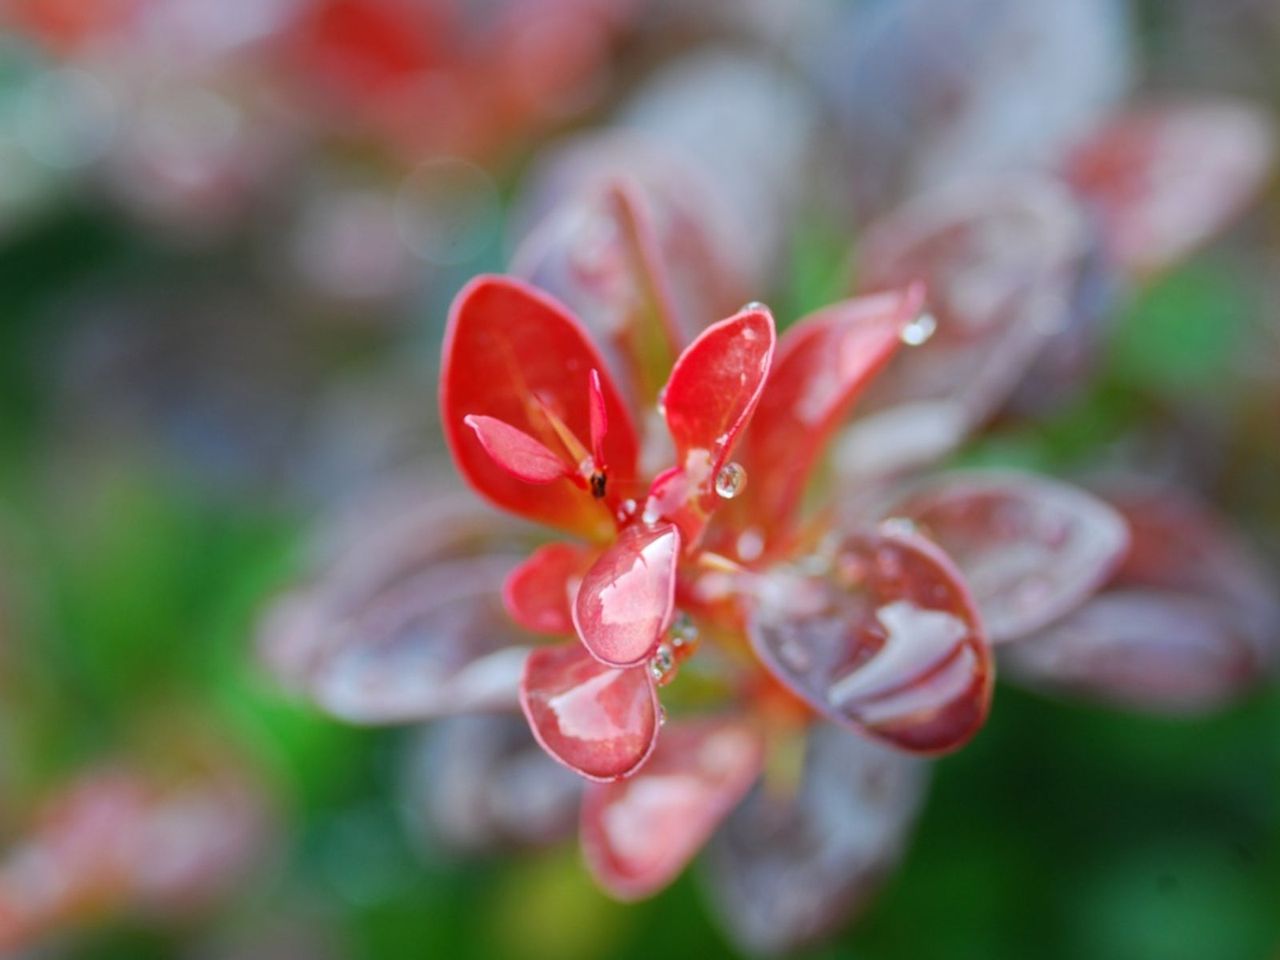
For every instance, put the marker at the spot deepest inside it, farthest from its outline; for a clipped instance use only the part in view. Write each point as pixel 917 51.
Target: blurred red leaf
pixel 637 834
pixel 822 365
pixel 1165 178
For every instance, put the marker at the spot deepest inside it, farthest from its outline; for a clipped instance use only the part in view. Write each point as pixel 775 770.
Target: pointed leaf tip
pixel 516 452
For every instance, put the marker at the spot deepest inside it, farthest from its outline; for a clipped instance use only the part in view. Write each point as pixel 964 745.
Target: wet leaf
pixel 627 598
pixel 888 642
pixel 599 721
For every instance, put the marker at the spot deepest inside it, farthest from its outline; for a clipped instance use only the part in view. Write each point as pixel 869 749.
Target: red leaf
pixel 1144 649
pixel 539 593
pixel 999 265
pixel 787 868
pixel 1030 549
pixel 1167 178
pixel 627 598
pixel 510 353
pixel 599 419
pixel 714 388
pixel 822 365
pixel 516 452
pixel 889 643
pixel 599 721
pixel 639 833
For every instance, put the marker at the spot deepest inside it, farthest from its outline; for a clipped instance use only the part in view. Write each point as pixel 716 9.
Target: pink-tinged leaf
pixel 999 262
pixel 599 419
pixel 1030 549
pixel 518 453
pixel 1144 649
pixel 822 365
pixel 539 593
pixel 790 867
pixel 433 643
pixel 514 354
pixel 1167 178
pixel 599 721
pixel 638 834
pixel 889 643
pixel 627 598
pixel 481 784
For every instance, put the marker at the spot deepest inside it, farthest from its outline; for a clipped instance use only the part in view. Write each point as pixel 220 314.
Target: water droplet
pixel 684 632
pixel 731 480
pixel 662 715
pixel 662 664
pixel 753 305
pixel 919 330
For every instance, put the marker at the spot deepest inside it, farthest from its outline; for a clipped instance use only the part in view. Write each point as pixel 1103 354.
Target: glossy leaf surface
pixel 599 721
pixel 889 642
pixel 627 598
pixel 482 784
pixel 539 593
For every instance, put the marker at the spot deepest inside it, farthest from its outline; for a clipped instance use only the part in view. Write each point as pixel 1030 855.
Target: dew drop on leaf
pixel 731 480
pixel 919 330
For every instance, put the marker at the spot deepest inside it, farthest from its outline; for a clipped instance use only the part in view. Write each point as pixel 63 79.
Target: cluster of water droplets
pixel 679 644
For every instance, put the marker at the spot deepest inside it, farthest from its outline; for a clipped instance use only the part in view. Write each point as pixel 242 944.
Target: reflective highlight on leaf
pixel 888 642
pixel 627 597
pixel 999 261
pixel 638 834
pixel 789 866
pixel 599 721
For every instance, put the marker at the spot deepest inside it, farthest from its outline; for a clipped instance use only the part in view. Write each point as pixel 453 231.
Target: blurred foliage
pixel 1064 832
